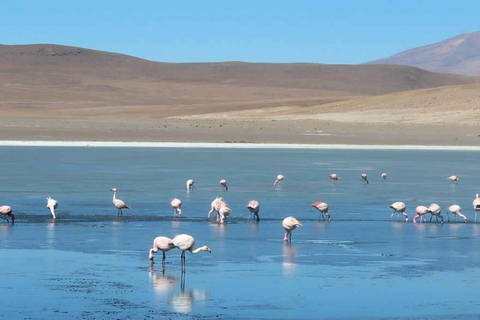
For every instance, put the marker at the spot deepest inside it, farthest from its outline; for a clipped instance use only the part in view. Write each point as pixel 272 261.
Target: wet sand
pixel 238 131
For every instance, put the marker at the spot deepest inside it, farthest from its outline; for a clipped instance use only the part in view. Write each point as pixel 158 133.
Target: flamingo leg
pixel 183 262
pixel 475 216
pixel 392 215
pixel 258 217
pixel 163 263
pixel 448 215
pixel 431 217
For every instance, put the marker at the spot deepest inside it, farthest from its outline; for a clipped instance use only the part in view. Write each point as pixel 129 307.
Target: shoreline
pixel 210 145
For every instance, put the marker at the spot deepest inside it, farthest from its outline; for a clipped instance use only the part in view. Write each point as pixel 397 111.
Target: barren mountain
pixel 458 55
pixel 62 80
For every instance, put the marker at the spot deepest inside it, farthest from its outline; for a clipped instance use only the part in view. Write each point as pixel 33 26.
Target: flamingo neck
pixel 198 250
pixel 114 195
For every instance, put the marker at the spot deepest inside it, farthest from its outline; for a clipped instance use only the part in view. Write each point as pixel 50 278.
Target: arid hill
pixel 458 55
pixel 44 79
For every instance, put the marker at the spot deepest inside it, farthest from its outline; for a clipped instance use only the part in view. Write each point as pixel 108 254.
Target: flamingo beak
pixel 209 250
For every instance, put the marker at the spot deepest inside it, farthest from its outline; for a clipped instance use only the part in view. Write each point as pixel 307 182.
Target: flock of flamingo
pixel 185 242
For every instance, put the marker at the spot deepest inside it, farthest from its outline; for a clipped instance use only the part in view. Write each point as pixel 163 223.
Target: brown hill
pixel 43 79
pixel 459 55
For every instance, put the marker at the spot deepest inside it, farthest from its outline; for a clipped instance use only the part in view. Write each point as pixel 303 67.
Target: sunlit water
pixel 92 264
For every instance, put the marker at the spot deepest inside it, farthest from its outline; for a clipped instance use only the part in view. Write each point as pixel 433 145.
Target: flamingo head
pixel 205 248
pixel 113 189
pixel 150 255
pixel 464 220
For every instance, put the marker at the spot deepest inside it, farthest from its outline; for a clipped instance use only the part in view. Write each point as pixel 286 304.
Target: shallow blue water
pixel 92 264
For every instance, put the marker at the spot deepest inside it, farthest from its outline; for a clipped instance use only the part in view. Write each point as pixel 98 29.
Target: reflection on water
pixel 162 283
pixel 289 262
pixel 176 224
pixel 183 301
pixel 51 234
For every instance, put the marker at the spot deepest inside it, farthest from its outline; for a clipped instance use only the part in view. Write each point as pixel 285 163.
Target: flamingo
pixel 6 211
pixel 280 177
pixel 186 242
pixel 453 178
pixel 163 244
pixel 421 211
pixel 476 206
pixel 323 208
pixel 254 207
pixel 216 205
pixel 223 183
pixel 119 204
pixel 52 204
pixel 190 184
pixel 456 210
pixel 364 177
pixel 399 207
pixel 384 176
pixel 435 210
pixel 177 206
pixel 223 213
pixel 334 177
pixel 290 224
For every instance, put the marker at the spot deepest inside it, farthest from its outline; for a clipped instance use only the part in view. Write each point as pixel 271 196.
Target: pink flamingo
pixel 476 206
pixel 177 206
pixel 457 211
pixel 190 184
pixel 223 183
pixel 280 177
pixel 421 211
pixel 384 176
pixel 185 242
pixel 223 213
pixel 119 204
pixel 399 207
pixel 254 207
pixel 453 178
pixel 6 211
pixel 322 207
pixel 216 205
pixel 290 224
pixel 435 210
pixel 163 244
pixel 52 204
pixel 334 177
pixel 364 177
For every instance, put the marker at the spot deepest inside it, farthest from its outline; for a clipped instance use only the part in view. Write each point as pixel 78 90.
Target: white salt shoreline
pixel 12 143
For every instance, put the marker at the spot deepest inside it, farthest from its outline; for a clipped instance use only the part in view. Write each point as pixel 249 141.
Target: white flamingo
pixel 384 176
pixel 119 204
pixel 457 211
pixel 5 212
pixel 223 183
pixel 334 177
pixel 254 207
pixel 280 177
pixel 435 210
pixel 364 177
pixel 52 204
pixel 190 185
pixel 185 242
pixel 322 207
pixel 453 178
pixel 177 206
pixel 476 206
pixel 421 211
pixel 223 213
pixel 216 205
pixel 399 207
pixel 163 244
pixel 290 224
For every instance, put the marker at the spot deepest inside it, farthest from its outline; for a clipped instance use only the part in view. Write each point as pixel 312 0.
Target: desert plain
pixel 58 93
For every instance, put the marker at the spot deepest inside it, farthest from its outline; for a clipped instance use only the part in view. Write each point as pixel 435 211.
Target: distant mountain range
pixel 458 55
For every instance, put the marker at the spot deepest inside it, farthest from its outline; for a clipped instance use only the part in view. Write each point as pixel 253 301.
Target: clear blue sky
pixel 336 31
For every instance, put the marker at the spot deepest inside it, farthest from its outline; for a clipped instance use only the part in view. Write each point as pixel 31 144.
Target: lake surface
pixel 91 264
